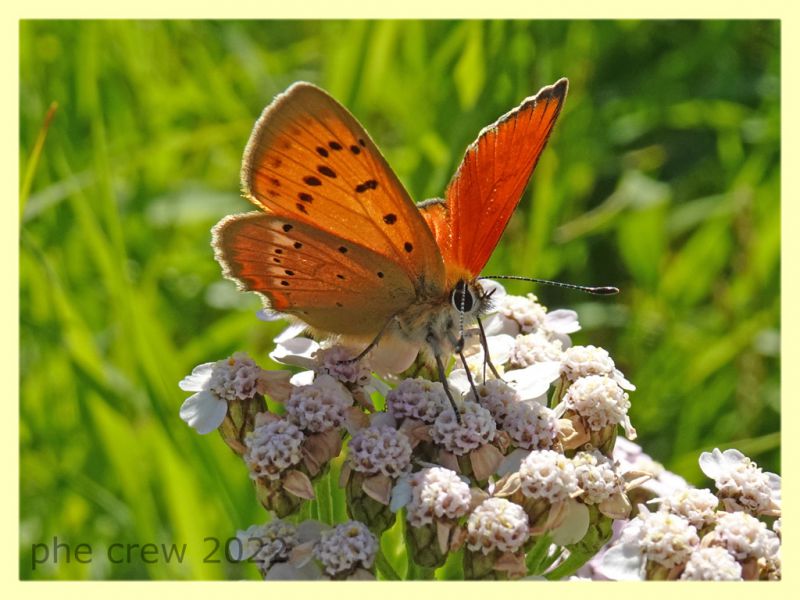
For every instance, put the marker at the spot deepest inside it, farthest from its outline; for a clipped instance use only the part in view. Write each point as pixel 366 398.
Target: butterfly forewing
pixel 490 181
pixel 308 159
pixel 330 283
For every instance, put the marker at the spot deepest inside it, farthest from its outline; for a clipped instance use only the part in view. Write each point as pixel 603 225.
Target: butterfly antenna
pixel 485 344
pixel 443 381
pixel 605 290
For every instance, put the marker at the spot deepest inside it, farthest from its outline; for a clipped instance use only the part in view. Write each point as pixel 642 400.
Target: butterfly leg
pixel 487 359
pixel 443 381
pixel 458 346
pixel 469 375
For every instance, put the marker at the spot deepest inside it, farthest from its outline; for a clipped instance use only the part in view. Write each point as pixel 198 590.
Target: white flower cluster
pixel 533 348
pixel 663 537
pixel 418 399
pixel 712 564
pixel 437 494
pixel 698 506
pixel 583 361
pixel 345 548
pixel 695 534
pixel 743 536
pixel 266 544
pixel 548 475
pixel 512 439
pixel 320 405
pixel 497 524
pixel 336 362
pixel 476 428
pixel 272 448
pixel 741 484
pixel 596 476
pixel 531 426
pixel 524 310
pixel 497 397
pixel 380 450
pixel 599 399
pixel 217 383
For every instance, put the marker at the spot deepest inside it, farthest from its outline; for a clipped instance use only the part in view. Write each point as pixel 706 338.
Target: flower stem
pixel 385 567
pixel 573 562
pixel 537 554
pixel 418 573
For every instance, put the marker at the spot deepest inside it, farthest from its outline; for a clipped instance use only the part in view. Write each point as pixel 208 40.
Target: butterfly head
pixel 469 299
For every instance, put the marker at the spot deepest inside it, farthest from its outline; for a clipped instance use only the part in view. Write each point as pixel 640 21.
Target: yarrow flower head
pixel 319 406
pixel 712 564
pixel 496 396
pixel 272 448
pixel 548 475
pixel 218 383
pixel 524 310
pixel 380 450
pixel 597 477
pixel 531 426
pixel 272 546
pixel 600 401
pixel 266 544
pixel 335 361
pixel 418 399
pixel 535 347
pixel 651 542
pixel 497 524
pixel 698 506
pixel 664 538
pixel 437 494
pixel 741 484
pixel 476 428
pixel 345 548
pixel 743 536
pixel 582 361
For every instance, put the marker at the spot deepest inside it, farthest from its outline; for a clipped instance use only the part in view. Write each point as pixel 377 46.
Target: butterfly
pixel 338 243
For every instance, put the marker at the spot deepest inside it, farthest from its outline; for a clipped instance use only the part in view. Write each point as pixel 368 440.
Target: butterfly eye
pixel 461 297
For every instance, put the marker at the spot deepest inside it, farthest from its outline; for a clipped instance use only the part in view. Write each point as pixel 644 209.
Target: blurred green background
pixel 662 177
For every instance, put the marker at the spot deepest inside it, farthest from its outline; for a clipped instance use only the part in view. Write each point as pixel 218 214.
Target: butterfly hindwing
pixel 308 159
pixel 328 282
pixel 490 181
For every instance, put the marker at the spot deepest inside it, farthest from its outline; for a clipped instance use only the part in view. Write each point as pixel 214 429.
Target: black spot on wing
pixel 369 184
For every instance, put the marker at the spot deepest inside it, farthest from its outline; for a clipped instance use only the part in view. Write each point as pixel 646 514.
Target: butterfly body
pixel 337 241
pixel 438 324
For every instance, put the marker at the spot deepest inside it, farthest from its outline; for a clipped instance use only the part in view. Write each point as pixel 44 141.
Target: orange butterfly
pixel 340 245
